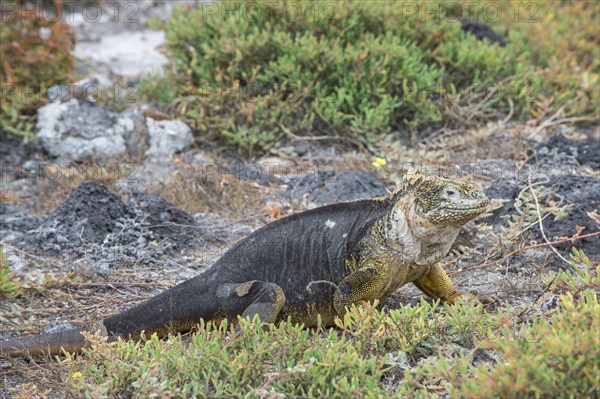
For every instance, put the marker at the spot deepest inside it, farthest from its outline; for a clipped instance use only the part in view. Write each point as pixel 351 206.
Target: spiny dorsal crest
pixel 417 183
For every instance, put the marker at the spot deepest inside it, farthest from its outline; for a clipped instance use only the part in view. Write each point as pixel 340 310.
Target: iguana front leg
pixel 357 286
pixel 437 285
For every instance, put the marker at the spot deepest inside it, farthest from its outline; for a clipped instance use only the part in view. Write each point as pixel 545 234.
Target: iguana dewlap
pixel 307 264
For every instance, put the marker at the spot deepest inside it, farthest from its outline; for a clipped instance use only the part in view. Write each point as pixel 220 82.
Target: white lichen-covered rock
pixel 82 131
pixel 167 137
pixel 86 132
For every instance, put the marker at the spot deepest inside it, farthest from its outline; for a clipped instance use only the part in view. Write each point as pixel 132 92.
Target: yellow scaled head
pixel 443 201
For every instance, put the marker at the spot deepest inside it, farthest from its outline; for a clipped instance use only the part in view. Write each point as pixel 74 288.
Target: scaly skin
pixel 310 264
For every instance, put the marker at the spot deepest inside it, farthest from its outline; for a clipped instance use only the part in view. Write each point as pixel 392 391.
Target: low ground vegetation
pixel 421 350
pixel 367 70
pixel 35 50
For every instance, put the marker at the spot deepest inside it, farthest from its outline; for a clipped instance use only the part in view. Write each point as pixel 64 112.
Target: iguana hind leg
pixel 249 299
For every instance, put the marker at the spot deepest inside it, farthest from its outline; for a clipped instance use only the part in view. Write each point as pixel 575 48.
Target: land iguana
pixel 311 263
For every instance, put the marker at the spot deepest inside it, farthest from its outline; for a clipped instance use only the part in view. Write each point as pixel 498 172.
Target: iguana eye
pixel 451 192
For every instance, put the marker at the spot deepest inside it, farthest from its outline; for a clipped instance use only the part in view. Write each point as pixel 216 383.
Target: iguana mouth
pixel 466 207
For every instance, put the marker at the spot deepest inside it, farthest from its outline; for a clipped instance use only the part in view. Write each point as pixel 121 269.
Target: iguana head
pixel 444 202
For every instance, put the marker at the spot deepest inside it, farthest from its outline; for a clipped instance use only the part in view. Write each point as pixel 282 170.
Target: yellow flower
pixel 77 374
pixel 379 162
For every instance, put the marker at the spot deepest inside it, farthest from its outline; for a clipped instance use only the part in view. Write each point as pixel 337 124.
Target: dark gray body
pixel 291 252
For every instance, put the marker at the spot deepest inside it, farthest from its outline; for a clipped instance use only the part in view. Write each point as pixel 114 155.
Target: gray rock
pixel 582 193
pixel 15 151
pixel 166 221
pixel 579 191
pixel 125 54
pixel 32 166
pixel 136 137
pixel 481 31
pixel 560 152
pixel 118 45
pixel 153 172
pixel 14 258
pixel 18 221
pixel 87 216
pixel 85 132
pixel 101 268
pixel 58 326
pixel 167 137
pixel 327 187
pixel 98 232
pixel 82 131
pixel 483 356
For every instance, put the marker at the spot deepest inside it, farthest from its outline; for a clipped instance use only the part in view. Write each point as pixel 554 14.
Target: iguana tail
pixel 177 309
pixel 70 340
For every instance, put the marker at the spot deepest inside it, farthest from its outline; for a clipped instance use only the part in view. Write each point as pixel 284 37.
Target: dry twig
pixel 561 240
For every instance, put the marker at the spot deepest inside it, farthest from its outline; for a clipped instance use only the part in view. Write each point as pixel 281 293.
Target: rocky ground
pixel 118 220
pixel 108 208
pixel 89 239
pixel 114 42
